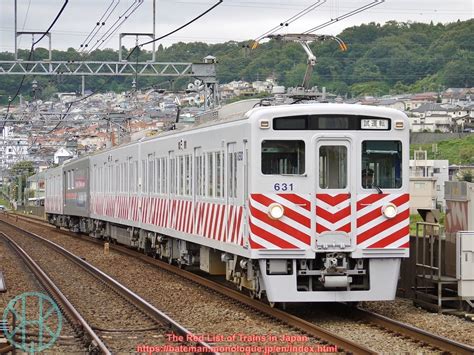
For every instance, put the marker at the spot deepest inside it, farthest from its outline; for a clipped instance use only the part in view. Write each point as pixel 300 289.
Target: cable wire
pixel 52 24
pixel 177 29
pixel 344 16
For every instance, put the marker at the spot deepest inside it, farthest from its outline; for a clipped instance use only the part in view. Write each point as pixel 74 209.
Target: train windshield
pixel 283 157
pixel 381 164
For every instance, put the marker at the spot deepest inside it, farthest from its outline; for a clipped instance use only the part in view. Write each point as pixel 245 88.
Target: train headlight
pixel 276 211
pixel 390 210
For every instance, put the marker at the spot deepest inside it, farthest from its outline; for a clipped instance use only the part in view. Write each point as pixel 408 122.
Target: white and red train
pixel 300 203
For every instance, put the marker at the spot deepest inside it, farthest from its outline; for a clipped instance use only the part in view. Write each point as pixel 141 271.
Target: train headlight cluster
pixel 276 211
pixel 389 210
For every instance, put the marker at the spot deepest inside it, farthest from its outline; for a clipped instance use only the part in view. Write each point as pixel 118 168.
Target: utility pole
pixel 16 34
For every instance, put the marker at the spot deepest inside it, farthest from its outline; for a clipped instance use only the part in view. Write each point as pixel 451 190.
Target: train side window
pixel 164 176
pixel 118 177
pixel 210 174
pixel 219 190
pixel 158 175
pixel 199 177
pixel 151 174
pixel 230 175
pixel 188 176
pixel 283 157
pixel 333 167
pixel 381 164
pixel 173 176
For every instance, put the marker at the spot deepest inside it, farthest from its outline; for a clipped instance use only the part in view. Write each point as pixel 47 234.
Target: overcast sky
pixel 232 20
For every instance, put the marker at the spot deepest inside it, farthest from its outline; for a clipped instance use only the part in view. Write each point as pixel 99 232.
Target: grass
pixel 457 151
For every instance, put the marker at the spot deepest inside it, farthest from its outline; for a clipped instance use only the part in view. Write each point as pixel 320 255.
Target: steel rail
pixel 380 320
pixel 307 327
pixel 123 291
pixel 74 316
pixel 421 335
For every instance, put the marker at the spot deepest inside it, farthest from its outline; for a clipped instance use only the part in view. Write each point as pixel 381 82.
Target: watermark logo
pixel 35 321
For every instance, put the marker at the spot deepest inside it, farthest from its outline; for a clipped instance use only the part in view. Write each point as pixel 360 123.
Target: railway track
pixel 79 324
pixel 390 325
pixel 127 315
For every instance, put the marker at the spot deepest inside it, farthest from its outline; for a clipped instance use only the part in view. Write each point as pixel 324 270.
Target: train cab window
pixel 381 164
pixel 333 167
pixel 283 157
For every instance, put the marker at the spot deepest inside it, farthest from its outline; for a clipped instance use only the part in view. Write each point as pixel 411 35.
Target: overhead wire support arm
pixel 305 39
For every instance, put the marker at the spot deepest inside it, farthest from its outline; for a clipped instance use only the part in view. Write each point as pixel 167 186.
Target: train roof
pixel 243 110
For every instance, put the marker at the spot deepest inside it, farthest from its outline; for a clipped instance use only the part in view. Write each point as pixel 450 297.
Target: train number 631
pixel 283 186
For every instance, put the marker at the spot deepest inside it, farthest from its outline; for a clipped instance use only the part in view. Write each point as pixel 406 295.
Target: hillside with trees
pixel 396 57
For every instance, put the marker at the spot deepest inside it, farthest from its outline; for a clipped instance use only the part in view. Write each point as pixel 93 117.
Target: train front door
pixel 333 199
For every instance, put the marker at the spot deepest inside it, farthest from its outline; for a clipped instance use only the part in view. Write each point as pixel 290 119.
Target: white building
pixel 61 155
pixel 436 170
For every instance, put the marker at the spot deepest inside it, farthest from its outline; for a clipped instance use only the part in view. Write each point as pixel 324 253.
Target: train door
pixel 333 198
pixel 172 187
pixel 198 188
pixel 231 186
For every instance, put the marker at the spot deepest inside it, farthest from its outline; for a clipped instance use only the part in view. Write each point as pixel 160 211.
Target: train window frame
pixel 375 169
pixel 301 160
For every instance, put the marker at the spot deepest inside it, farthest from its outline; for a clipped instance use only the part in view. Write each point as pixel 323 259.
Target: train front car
pixel 328 201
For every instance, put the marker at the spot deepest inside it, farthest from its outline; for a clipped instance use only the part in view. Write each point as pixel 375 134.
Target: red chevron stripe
pixel 320 228
pixel 391 238
pixel 303 203
pixel 368 200
pixel 283 244
pixel 333 217
pixel 383 226
pixel 406 245
pixel 295 233
pixel 290 213
pixel 377 212
pixel 332 200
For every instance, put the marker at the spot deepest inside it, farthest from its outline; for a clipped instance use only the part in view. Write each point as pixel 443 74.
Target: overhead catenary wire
pixel 344 16
pixel 116 25
pixel 291 19
pixel 102 21
pixel 175 30
pixel 136 47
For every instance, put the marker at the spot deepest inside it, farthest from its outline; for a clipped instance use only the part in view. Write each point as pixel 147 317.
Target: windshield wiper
pixel 379 190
